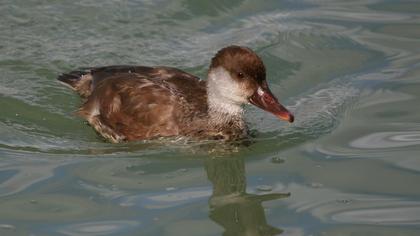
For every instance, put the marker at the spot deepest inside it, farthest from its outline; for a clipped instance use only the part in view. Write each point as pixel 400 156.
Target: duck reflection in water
pixel 238 212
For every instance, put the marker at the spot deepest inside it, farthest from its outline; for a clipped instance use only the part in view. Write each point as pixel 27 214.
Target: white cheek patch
pixel 224 93
pixel 224 86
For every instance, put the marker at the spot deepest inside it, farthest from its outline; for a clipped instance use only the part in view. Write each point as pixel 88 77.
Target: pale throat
pixel 224 96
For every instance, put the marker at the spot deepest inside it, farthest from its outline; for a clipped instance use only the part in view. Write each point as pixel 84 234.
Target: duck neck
pixel 222 113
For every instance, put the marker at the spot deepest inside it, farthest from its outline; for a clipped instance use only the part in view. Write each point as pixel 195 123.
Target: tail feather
pixel 78 80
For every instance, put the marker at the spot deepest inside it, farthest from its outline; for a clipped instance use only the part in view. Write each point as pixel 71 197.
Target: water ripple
pixel 387 140
pixel 166 200
pixel 94 228
pixel 389 215
pixel 351 208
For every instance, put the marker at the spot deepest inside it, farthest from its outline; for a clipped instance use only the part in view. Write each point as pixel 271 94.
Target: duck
pixel 129 103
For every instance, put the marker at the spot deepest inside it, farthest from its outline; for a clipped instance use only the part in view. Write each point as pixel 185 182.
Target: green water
pixel 349 70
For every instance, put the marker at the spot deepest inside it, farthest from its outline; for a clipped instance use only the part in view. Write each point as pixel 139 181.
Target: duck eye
pixel 240 75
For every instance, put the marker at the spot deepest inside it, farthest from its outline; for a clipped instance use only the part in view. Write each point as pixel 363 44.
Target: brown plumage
pixel 125 103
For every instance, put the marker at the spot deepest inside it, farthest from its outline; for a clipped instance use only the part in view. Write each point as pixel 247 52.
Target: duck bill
pixel 264 99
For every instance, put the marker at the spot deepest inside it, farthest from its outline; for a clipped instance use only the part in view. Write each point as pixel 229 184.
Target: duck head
pixel 237 76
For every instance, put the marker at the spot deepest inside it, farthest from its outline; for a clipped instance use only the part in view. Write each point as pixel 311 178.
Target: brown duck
pixel 125 103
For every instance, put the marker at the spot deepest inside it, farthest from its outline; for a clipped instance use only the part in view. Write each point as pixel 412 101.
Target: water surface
pixel 349 165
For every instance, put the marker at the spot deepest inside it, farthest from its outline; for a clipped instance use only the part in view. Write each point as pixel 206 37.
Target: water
pixel 349 165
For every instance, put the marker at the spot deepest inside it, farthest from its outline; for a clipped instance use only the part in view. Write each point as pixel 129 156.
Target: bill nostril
pixel 291 118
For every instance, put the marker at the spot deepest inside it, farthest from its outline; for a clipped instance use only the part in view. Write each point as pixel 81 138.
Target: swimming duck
pixel 125 103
